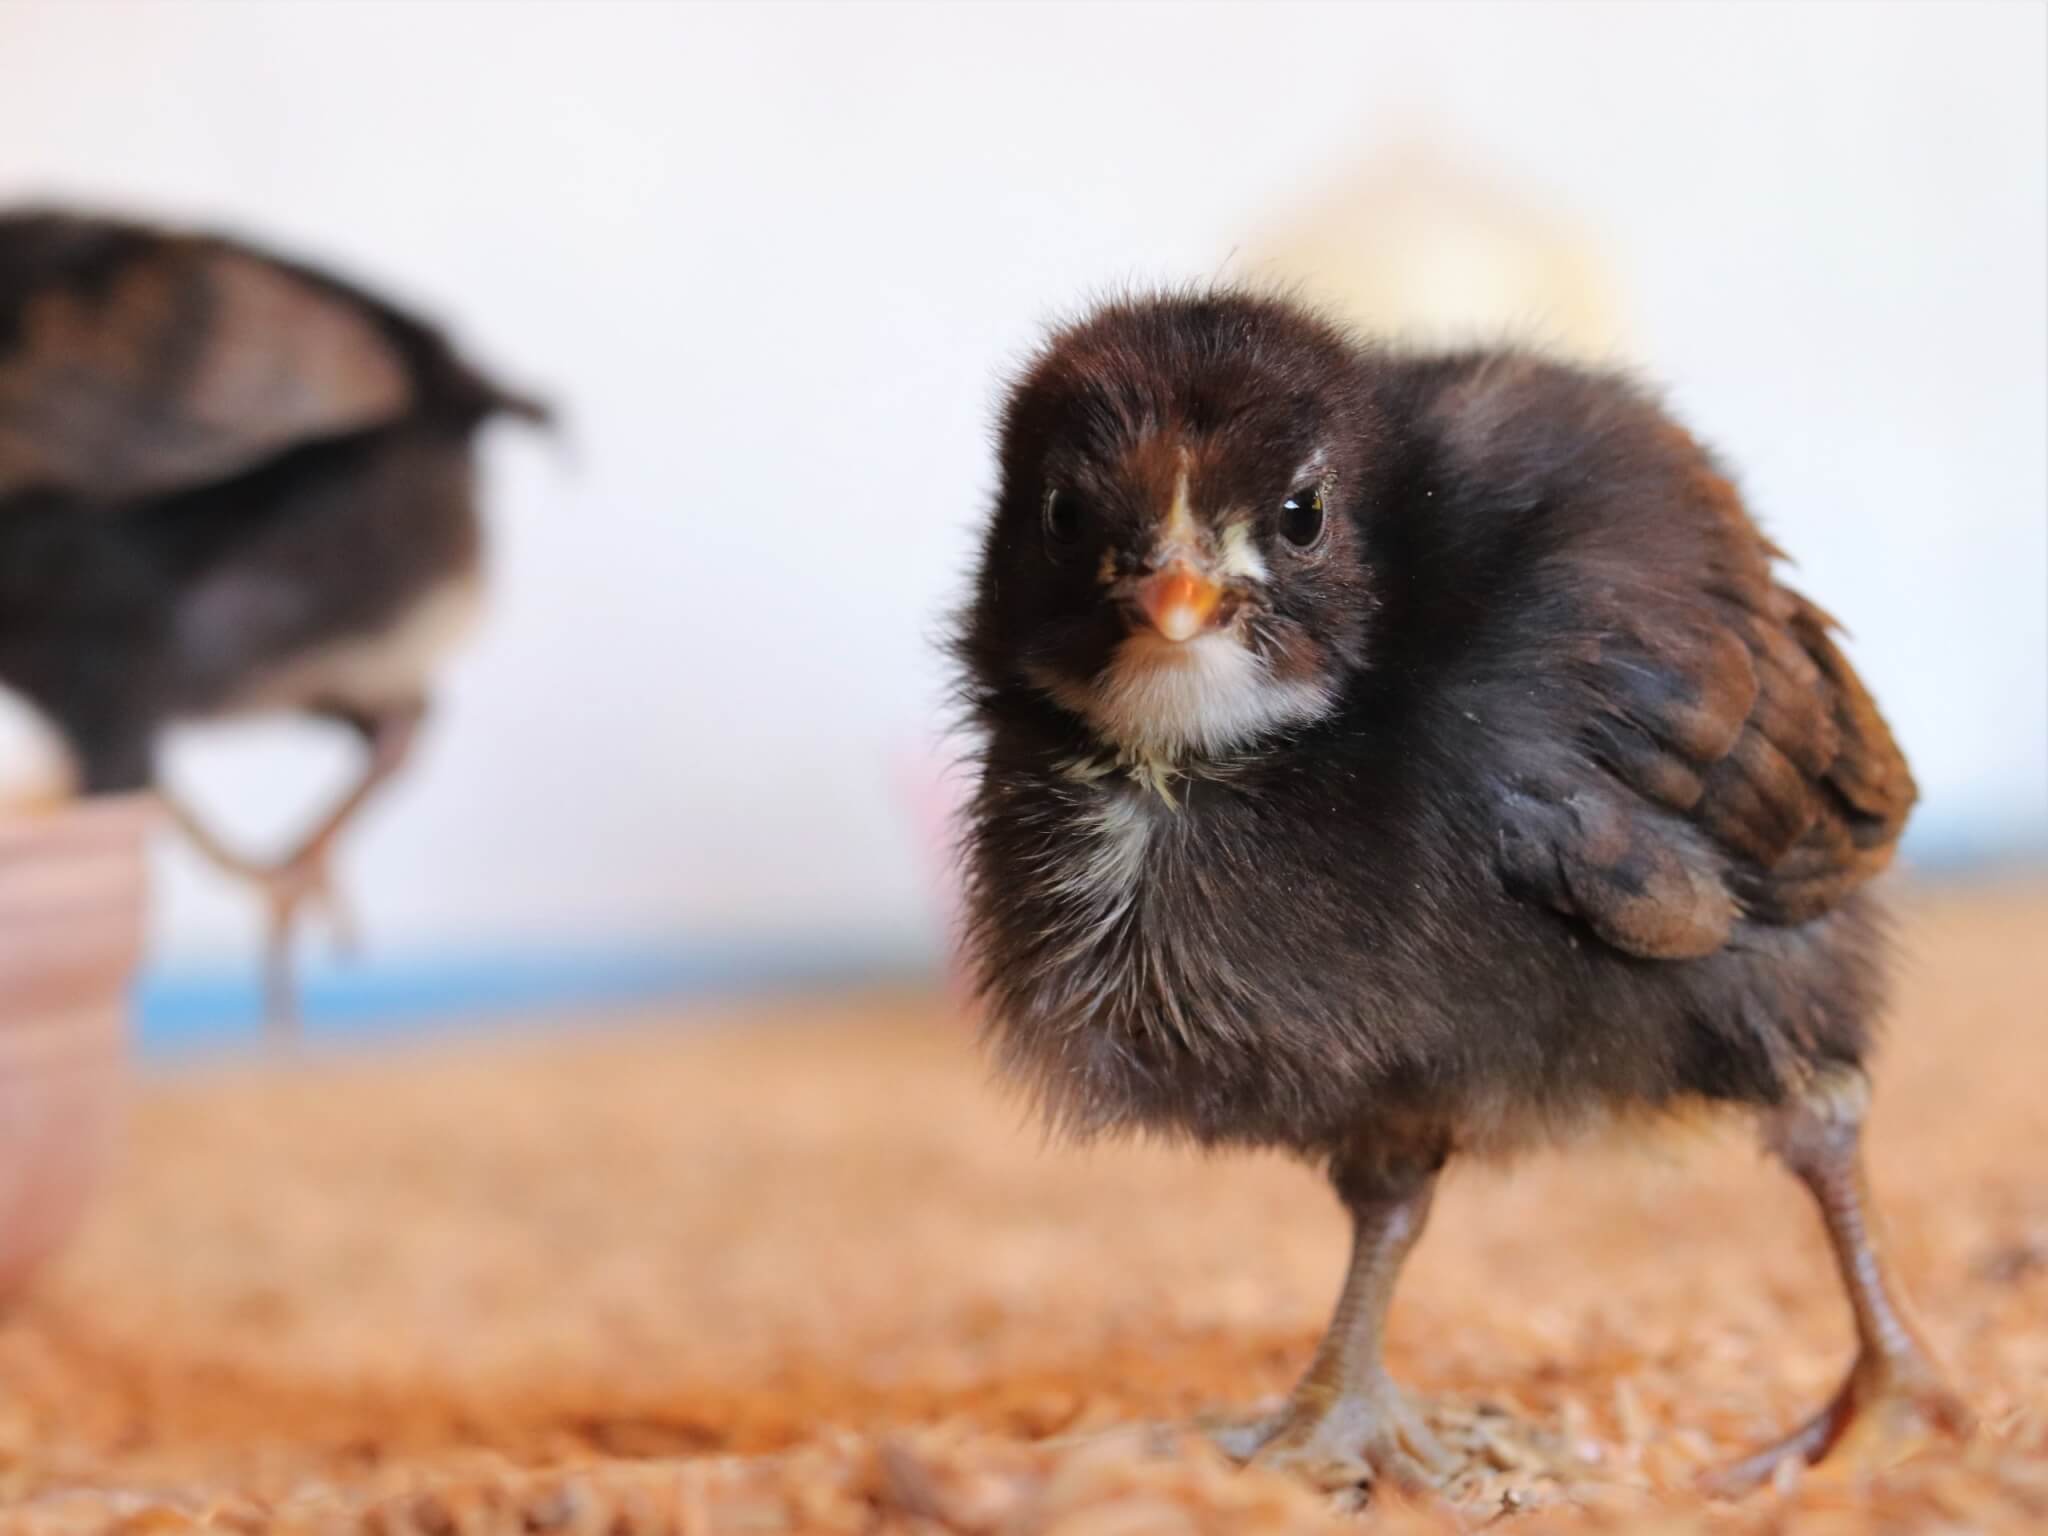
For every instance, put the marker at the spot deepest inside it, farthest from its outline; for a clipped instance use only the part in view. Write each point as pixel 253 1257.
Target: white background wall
pixel 773 258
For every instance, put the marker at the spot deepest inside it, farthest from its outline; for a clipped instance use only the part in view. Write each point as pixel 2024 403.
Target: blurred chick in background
pixel 1424 246
pixel 229 484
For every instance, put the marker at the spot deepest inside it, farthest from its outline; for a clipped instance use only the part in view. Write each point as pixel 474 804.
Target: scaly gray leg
pixel 1894 1393
pixel 1347 1423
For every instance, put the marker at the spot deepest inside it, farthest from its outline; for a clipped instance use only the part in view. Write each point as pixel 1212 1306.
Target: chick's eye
pixel 1063 518
pixel 1301 517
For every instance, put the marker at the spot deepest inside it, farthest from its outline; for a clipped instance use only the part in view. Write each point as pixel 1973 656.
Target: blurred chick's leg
pixel 1347 1423
pixel 1894 1395
pixel 304 875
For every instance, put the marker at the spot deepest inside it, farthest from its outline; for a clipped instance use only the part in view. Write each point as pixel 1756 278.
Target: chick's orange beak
pixel 1178 601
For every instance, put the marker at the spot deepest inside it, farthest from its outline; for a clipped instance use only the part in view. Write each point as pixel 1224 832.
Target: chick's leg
pixel 1347 1423
pixel 304 876
pixel 1894 1394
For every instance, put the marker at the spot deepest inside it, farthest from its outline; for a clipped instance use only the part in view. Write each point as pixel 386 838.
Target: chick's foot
pixel 1885 1412
pixel 1363 1437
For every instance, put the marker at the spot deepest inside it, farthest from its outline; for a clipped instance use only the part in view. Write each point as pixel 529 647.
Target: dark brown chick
pixel 229 484
pixel 1393 758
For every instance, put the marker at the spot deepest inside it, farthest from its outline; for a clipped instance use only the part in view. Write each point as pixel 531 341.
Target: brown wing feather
pixel 191 361
pixel 1746 769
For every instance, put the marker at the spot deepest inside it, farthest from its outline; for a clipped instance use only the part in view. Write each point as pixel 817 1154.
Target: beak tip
pixel 1179 603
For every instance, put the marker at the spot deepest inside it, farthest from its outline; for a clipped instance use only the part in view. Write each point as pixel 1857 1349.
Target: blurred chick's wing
pixel 1735 765
pixel 134 363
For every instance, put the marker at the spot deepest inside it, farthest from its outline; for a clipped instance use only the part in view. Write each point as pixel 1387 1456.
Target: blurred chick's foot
pixel 304 877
